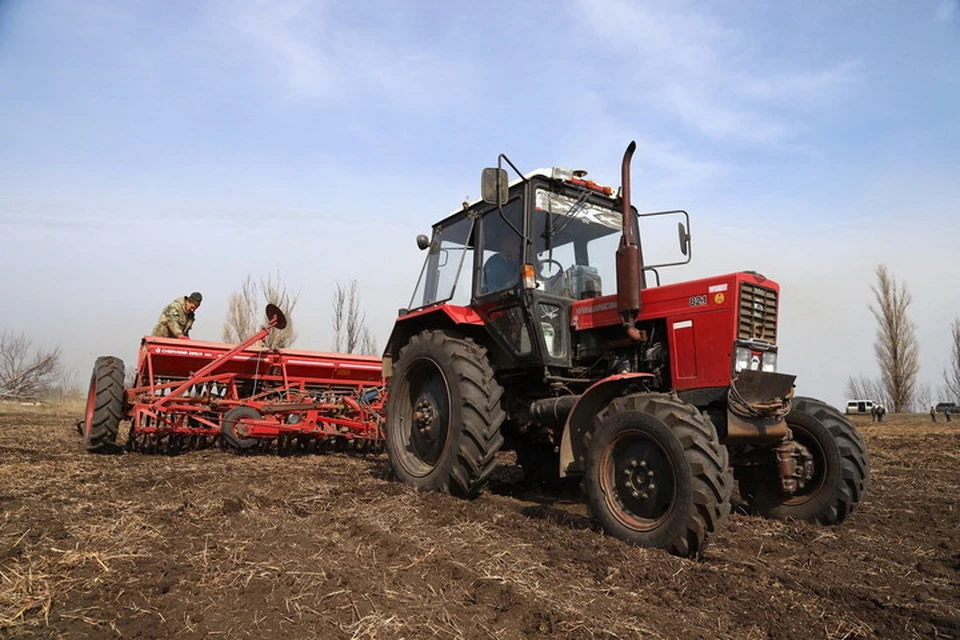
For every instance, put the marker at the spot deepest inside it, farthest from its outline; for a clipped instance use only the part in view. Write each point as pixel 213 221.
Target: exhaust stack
pixel 630 277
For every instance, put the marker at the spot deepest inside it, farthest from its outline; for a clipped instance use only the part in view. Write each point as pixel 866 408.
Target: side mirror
pixel 494 186
pixel 657 229
pixel 423 242
pixel 684 238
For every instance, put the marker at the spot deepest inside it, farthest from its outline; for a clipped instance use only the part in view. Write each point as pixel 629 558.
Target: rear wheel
pixel 231 431
pixel 840 469
pixel 443 415
pixel 104 410
pixel 656 473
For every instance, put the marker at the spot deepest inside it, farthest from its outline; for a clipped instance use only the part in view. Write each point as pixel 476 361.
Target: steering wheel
pixel 552 283
pixel 542 268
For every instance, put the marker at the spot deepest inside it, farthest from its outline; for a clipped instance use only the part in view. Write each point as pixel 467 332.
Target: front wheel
pixel 840 469
pixel 443 415
pixel 656 473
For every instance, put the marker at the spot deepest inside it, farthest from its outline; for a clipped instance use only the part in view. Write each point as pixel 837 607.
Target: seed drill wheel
pixel 229 427
pixel 104 405
pixel 443 415
pixel 656 473
pixel 841 469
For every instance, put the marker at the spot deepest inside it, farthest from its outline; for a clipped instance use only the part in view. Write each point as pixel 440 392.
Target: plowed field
pixel 213 545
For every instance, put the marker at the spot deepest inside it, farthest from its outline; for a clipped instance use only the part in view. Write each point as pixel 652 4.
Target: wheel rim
pixel 812 448
pixel 429 415
pixel 638 481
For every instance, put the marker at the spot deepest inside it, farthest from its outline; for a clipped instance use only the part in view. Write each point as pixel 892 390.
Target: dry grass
pixel 213 545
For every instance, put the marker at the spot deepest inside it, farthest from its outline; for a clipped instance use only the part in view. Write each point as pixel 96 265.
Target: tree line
pixel 245 315
pixel 28 371
pixel 897 354
pixel 34 372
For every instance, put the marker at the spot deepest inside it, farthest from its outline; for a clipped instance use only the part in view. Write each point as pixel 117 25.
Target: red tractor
pixel 657 397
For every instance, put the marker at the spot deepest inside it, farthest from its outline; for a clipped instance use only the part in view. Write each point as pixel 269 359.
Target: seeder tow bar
pixel 189 394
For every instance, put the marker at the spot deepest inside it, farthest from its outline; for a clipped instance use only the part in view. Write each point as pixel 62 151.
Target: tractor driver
pixel 502 269
pixel 176 319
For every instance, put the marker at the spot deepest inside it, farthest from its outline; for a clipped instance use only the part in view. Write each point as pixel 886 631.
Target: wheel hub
pixel 642 482
pixel 426 434
pixel 424 415
pixel 639 480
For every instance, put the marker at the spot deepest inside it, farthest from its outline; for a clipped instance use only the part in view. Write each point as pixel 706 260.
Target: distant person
pixel 946 413
pixel 933 414
pixel 875 413
pixel 176 319
pixel 881 411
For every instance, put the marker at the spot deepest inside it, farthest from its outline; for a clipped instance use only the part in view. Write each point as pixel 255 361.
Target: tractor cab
pixel 521 256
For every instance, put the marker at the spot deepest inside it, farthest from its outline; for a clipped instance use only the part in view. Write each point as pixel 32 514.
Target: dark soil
pixel 213 545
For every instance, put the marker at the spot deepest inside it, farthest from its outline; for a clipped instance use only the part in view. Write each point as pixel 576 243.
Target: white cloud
pixel 658 163
pixel 320 59
pixel 711 75
pixel 946 10
pixel 805 86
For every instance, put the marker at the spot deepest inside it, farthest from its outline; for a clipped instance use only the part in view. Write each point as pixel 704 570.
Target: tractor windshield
pixel 576 239
pixel 443 269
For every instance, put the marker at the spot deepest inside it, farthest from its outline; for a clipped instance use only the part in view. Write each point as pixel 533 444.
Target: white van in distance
pixel 859 406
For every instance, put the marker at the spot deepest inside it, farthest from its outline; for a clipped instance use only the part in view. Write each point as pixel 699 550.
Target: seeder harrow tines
pixel 192 395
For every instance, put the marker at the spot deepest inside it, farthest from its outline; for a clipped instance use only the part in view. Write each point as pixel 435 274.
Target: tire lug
pixel 635 494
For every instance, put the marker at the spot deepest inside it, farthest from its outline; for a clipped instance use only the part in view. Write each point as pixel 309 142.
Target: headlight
pixel 746 358
pixel 770 361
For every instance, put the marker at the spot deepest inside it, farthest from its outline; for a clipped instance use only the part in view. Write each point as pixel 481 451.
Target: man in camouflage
pixel 176 319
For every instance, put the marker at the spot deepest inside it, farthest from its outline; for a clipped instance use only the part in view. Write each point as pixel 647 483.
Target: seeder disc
pixel 273 311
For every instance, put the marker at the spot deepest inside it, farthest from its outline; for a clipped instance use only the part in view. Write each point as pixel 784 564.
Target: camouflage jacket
pixel 174 320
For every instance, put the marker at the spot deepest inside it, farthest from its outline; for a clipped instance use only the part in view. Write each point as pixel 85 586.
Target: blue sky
pixel 149 149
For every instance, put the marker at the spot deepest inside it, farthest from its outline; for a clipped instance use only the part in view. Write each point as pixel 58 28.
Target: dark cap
pixel 195 297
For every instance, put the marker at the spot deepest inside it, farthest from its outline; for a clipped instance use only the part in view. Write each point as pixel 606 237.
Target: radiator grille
pixel 758 313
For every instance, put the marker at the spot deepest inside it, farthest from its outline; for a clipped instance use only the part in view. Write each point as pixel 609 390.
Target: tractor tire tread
pixel 107 410
pixel 853 471
pixel 712 478
pixel 480 410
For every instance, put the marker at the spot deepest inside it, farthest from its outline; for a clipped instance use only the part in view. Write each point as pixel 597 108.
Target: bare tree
pixel 350 332
pixel 951 375
pixel 944 393
pixel 245 311
pixel 863 387
pixel 26 372
pixel 896 343
pixel 66 385
pixel 923 398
